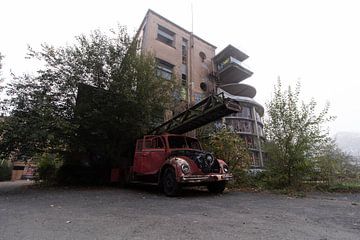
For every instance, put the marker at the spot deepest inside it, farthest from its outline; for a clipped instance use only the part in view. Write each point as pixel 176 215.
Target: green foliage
pixel 331 165
pixel 203 133
pixel 48 166
pixel 1 79
pixel 5 171
pixel 345 187
pixel 230 147
pixel 41 106
pixel 295 136
pixel 1 57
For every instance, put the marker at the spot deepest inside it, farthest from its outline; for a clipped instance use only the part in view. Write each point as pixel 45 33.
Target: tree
pixel 1 57
pixel 231 148
pixel 41 106
pixel 332 164
pixel 295 134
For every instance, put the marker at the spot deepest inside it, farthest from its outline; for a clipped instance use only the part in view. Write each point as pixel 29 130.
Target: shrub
pixel 47 167
pixel 5 171
pixel 231 148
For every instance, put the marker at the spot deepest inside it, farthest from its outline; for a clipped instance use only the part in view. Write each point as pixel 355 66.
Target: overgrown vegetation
pixel 40 108
pixel 300 151
pixel 48 166
pixel 5 170
pixel 231 148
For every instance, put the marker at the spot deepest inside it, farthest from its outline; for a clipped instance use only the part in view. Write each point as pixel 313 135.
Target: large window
pixel 164 69
pixel 166 36
pixel 240 126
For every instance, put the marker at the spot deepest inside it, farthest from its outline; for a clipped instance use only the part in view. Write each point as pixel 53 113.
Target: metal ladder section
pixel 208 110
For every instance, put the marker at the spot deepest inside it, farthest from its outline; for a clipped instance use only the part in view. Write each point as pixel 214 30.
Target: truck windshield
pixel 183 142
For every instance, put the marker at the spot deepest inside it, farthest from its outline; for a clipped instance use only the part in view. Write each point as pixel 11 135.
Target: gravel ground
pixel 28 212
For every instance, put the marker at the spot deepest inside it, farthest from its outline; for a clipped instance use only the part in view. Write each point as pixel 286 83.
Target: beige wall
pixel 199 69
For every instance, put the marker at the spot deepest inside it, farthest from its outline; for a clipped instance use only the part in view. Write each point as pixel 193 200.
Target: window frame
pixel 166 36
pixel 164 69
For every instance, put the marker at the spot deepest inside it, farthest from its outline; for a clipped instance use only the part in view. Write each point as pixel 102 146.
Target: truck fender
pixel 222 163
pixel 175 163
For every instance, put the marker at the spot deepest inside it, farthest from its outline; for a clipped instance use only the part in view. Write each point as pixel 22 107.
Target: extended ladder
pixel 208 110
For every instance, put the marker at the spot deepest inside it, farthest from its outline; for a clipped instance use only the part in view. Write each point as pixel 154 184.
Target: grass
pixel 345 187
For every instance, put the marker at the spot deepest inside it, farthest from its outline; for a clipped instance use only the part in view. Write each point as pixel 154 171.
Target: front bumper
pixel 212 177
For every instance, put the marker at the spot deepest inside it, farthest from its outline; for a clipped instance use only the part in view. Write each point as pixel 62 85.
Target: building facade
pixel 184 56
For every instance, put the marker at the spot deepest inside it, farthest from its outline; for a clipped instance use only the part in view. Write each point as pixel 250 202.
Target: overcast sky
pixel 312 41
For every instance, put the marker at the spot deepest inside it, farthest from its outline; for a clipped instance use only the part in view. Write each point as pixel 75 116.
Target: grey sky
pixel 315 42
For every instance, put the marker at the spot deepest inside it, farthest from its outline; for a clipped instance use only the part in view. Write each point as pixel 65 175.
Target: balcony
pixel 232 70
pixel 230 67
pixel 239 89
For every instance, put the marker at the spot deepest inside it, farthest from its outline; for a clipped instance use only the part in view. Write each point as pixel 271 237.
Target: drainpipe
pixel 258 137
pixel 190 82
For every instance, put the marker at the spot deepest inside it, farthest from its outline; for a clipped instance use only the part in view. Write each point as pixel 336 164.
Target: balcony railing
pixel 232 70
pixel 228 61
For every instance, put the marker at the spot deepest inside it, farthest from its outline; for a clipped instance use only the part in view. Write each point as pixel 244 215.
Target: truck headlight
pixel 185 168
pixel 226 169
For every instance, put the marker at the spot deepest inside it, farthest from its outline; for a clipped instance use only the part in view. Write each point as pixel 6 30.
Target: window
pixel 202 56
pixel 240 126
pixel 183 70
pixel 183 142
pixel 246 112
pixel 184 56
pixel 166 36
pixel 139 145
pixel 184 50
pixel 164 69
pixel 157 143
pixel 198 97
pixel 177 142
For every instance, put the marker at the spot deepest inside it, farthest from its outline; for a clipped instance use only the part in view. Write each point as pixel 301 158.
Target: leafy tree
pixel 1 79
pixel 1 57
pixel 296 135
pixel 41 106
pixel 231 148
pixel 332 164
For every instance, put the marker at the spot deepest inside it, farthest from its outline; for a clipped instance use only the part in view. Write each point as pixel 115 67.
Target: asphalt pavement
pixel 141 212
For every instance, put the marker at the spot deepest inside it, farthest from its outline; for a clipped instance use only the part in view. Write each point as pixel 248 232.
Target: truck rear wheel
pixel 170 186
pixel 216 187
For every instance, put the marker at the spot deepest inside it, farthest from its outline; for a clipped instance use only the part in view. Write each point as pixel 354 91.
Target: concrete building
pixel 184 56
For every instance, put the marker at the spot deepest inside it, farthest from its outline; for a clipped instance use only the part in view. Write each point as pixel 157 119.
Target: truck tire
pixel 170 186
pixel 216 187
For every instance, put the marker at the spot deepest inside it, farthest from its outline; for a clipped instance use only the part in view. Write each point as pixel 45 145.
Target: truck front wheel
pixel 216 187
pixel 170 186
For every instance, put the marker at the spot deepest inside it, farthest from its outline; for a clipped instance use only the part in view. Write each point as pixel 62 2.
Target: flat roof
pixel 175 25
pixel 230 50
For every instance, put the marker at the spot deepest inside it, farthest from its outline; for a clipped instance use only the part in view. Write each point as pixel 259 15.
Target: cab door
pixel 138 157
pixel 154 154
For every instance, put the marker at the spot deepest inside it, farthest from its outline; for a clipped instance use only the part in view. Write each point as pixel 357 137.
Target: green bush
pixel 47 167
pixel 346 186
pixel 248 180
pixel 5 171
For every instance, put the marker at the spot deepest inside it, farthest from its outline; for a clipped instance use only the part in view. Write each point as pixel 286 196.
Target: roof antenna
pixel 192 18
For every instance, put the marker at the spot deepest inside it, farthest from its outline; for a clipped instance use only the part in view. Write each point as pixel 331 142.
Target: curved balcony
pixel 246 101
pixel 232 71
pixel 229 66
pixel 239 89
